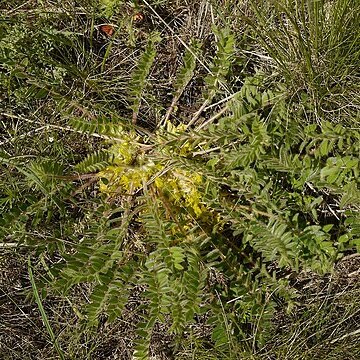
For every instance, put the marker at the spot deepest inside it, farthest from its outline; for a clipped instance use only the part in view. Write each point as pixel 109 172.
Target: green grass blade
pixel 42 312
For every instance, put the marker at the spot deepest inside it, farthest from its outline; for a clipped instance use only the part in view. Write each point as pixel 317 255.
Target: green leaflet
pixel 216 81
pixel 140 75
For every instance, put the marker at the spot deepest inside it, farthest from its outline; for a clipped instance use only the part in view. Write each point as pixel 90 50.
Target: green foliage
pixel 101 126
pixel 95 162
pixel 140 75
pixel 257 180
pixel 186 72
pixel 225 49
pixel 108 7
pixel 184 76
pixel 205 217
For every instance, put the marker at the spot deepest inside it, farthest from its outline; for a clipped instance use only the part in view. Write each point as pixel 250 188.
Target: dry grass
pixel 324 325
